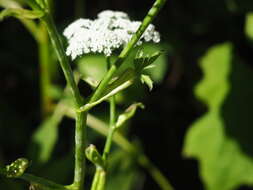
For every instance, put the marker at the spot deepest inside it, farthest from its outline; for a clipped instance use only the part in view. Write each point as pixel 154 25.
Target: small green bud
pixel 17 168
pixel 93 155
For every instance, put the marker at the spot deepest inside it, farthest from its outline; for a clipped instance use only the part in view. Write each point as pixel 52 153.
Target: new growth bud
pixel 93 155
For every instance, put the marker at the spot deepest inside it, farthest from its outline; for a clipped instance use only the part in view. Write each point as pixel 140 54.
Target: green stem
pixel 44 61
pixel 95 180
pixel 100 175
pixel 68 73
pixel 157 6
pixel 80 141
pixel 111 129
pixel 127 146
pixel 80 133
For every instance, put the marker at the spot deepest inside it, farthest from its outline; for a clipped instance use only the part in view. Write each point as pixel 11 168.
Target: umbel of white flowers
pixel 110 31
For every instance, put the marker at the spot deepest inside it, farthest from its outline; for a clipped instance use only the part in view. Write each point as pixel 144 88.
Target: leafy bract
pixel 217 139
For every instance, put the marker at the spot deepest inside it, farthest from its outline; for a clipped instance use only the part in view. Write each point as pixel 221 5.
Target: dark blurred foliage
pixel 189 27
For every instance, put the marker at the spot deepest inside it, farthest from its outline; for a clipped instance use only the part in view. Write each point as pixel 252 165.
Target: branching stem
pixel 157 6
pixel 80 134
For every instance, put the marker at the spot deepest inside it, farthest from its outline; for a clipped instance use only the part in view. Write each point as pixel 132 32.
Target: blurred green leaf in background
pixel 220 139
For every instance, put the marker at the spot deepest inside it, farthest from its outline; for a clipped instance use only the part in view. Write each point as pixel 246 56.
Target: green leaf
pixel 142 61
pixel 128 114
pixel 220 139
pixel 21 13
pixel 46 135
pixel 249 26
pixel 145 79
pixel 158 72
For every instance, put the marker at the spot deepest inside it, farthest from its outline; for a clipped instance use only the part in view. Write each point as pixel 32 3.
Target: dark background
pixel 189 27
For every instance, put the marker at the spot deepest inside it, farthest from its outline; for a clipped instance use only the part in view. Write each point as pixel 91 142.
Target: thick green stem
pixel 126 51
pixel 80 137
pixel 127 146
pixel 80 133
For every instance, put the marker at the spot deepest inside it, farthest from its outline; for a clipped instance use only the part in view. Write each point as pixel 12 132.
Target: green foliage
pixel 21 13
pixel 215 139
pixel 46 135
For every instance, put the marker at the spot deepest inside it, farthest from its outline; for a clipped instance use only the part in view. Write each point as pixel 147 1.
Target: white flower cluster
pixel 111 30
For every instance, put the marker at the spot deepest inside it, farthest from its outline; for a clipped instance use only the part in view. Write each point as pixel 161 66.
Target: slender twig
pixel 111 124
